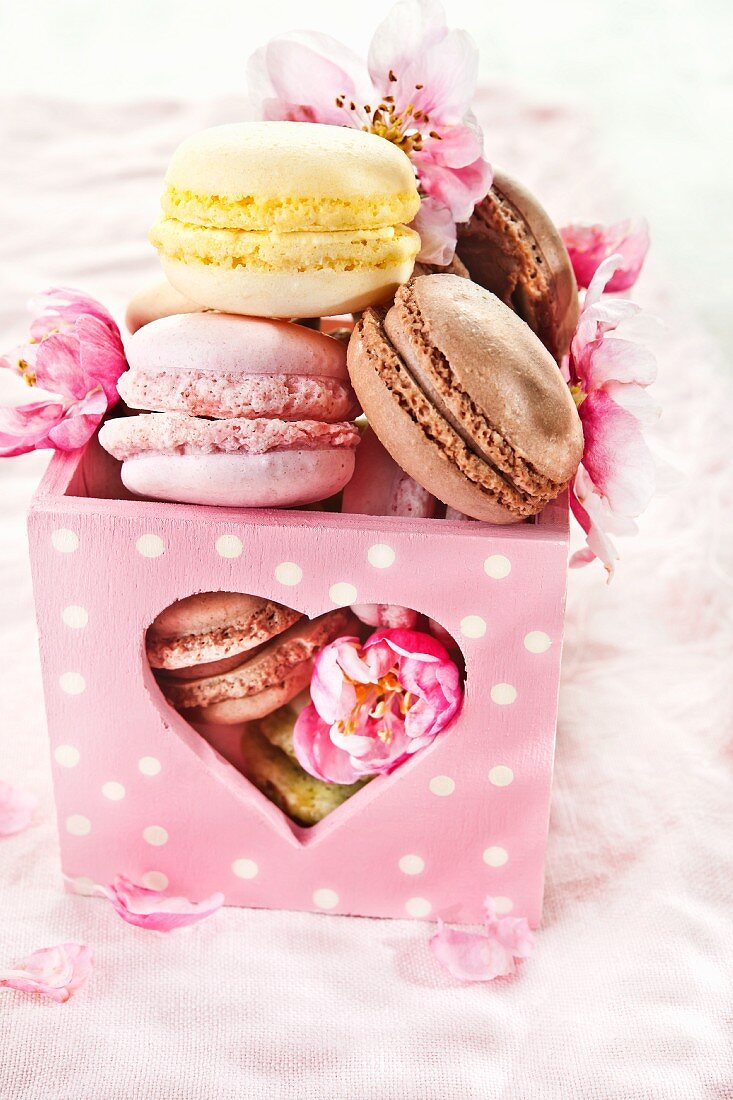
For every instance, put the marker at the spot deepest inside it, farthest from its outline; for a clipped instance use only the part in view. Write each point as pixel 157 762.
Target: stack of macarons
pixel 237 667
pixel 455 368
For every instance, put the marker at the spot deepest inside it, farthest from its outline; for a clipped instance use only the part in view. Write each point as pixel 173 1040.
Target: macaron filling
pixel 176 434
pixel 234 394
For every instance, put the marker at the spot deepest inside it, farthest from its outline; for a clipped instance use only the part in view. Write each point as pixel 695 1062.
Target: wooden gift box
pixel 139 792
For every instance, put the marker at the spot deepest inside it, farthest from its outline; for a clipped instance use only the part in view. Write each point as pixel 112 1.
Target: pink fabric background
pixel 629 993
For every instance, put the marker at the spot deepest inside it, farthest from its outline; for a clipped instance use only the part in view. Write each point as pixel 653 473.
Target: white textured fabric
pixel 628 994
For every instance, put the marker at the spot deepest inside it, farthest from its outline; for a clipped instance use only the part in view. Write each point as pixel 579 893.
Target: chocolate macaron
pixel 264 677
pixel 466 399
pixel 511 247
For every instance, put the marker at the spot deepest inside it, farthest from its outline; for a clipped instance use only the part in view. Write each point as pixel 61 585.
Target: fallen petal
pixel 153 909
pixel 55 972
pixel 471 956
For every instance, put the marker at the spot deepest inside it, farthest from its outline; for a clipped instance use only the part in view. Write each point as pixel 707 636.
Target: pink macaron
pixel 380 488
pixel 241 412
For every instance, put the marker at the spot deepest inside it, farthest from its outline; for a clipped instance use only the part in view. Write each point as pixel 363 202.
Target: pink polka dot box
pixel 141 792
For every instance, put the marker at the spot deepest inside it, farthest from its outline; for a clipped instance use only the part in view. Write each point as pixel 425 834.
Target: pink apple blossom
pixel 376 704
pixel 153 909
pixel 55 972
pixel 589 245
pixel 75 356
pixel 415 90
pixel 483 956
pixel 16 809
pixel 608 377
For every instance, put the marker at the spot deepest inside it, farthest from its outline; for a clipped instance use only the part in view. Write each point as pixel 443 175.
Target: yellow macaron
pixel 287 219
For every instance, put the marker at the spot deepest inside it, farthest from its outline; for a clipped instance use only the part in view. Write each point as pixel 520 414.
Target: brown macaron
pixel 210 629
pixel 512 248
pixel 263 680
pixel 466 399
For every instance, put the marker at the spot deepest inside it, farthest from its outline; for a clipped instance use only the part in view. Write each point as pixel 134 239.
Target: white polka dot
pixel 73 683
pixel 229 546
pixel 148 765
pixel 64 540
pixel 287 572
pixel 501 775
pixel 381 556
pixel 418 907
pixel 85 886
pixel 66 755
pixel 412 865
pixel 495 856
pixel 154 880
pixel 497 567
pixel 78 825
pixel 503 694
pixel 155 835
pixel 75 616
pixel 342 593
pixel 245 868
pixel 537 641
pixel 113 791
pixel 150 546
pixel 503 905
pixel 325 898
pixel 442 785
pixel 473 626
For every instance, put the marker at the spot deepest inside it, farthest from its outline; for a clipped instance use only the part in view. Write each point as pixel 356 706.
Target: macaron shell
pixel 290 293
pixel 499 371
pixel 425 461
pixel 277 479
pixel 230 712
pixel 211 626
pixel 220 343
pixel 281 660
pixel 219 365
pixel 511 247
pixel 157 300
pixel 285 176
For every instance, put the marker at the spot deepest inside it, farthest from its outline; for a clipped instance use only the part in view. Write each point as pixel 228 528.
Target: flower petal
pixel 616 456
pixel 55 972
pixel 59 308
pixel 316 752
pixel 471 956
pixel 26 428
pixel 589 245
pixel 298 76
pixel 153 909
pixel 79 423
pixel 437 228
pixel 613 360
pixel 16 809
pixel 102 356
pixel 457 188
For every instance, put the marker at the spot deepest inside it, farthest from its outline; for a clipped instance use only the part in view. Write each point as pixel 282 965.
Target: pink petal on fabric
pixel 616 456
pixel 589 245
pixel 437 228
pixel 471 956
pixel 55 972
pixel 16 809
pixel 154 910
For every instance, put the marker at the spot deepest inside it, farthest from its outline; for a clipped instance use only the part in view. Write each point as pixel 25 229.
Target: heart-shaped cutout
pixel 238 668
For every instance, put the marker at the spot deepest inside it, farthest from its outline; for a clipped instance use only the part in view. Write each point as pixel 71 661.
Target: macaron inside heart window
pixel 308 710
